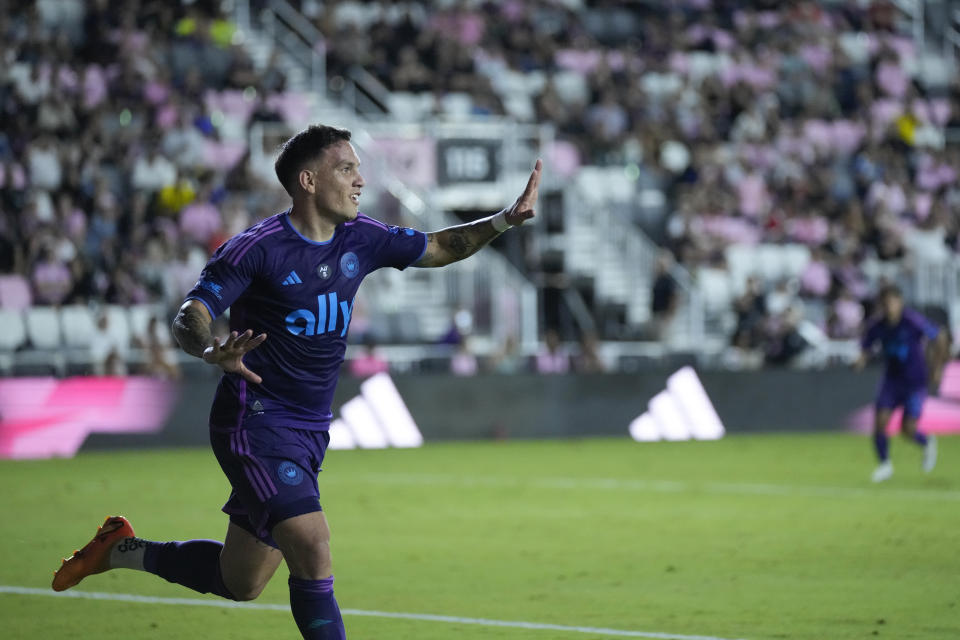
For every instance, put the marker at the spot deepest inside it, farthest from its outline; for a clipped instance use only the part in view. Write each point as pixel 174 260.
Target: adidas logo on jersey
pixel 293 278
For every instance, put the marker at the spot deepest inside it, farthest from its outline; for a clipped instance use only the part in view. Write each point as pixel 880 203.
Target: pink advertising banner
pixel 941 414
pixel 47 417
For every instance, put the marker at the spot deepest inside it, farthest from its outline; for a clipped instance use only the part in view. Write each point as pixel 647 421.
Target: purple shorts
pixel 910 397
pixel 272 472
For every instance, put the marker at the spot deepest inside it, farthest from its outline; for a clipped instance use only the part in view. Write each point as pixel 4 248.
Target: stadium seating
pixel 77 325
pixel 15 292
pixel 12 337
pixel 739 168
pixel 887 116
pixel 44 328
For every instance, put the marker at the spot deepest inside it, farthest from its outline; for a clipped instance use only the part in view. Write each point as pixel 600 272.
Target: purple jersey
pixel 300 293
pixel 903 346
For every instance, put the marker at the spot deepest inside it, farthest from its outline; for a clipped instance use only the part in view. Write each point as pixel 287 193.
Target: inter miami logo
pixel 290 473
pixel 350 264
pixel 323 271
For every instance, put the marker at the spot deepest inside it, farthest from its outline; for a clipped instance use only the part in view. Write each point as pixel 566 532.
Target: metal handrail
pixel 297 21
pixel 637 252
pixel 299 37
pixel 360 77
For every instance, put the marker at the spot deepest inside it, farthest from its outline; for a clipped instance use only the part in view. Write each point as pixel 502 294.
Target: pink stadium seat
pixel 15 292
pixel 293 107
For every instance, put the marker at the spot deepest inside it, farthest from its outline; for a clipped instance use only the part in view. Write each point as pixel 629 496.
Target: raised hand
pixel 522 210
pixel 229 356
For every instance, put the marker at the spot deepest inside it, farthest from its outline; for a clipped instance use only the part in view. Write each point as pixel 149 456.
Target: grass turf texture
pixel 673 538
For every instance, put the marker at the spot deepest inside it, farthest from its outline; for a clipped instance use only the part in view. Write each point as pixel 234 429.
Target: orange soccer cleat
pixel 93 558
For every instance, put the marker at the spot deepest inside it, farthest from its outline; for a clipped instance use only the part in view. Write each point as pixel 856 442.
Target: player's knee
pixel 311 561
pixel 247 591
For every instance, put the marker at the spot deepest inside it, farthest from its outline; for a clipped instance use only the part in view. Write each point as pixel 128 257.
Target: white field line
pixel 426 617
pixel 653 486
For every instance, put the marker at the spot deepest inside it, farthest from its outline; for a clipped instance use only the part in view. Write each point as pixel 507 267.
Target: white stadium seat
pixel 78 325
pixel 796 258
pixel 767 262
pixel 457 105
pixel 118 324
pixel 43 327
pixel 140 315
pixel 741 263
pixel 13 334
pixel 715 289
pixel 407 107
pixel 571 87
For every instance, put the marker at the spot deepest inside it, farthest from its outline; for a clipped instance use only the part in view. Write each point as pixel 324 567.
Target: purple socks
pixel 315 609
pixel 194 564
pixel 882 444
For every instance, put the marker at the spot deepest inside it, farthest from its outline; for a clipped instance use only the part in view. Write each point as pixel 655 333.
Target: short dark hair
pixel 303 148
pixel 890 291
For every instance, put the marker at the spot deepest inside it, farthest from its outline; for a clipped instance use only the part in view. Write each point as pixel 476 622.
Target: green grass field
pixel 752 537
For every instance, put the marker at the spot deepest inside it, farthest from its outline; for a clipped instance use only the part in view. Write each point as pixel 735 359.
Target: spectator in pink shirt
pixel 200 219
pixel 891 77
pixel 552 357
pixel 370 362
pixel 846 317
pixel 815 280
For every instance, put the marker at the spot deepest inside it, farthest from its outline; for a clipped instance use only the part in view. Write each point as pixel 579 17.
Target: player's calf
pixel 305 542
pixel 246 563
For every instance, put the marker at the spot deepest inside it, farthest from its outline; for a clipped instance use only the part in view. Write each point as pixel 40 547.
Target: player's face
pixel 892 308
pixel 338 182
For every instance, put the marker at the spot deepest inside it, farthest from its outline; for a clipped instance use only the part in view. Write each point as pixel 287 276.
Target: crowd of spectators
pixel 773 122
pixel 121 165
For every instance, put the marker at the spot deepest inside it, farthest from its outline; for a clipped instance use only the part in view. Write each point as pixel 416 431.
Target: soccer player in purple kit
pixel 902 334
pixel 289 282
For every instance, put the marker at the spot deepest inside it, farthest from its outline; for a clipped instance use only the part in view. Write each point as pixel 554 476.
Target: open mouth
pixel 356 198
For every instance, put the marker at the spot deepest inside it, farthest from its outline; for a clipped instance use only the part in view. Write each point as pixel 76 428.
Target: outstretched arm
pixel 191 328
pixel 456 243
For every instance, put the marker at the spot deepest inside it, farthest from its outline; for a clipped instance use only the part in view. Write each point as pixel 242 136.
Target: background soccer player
pixel 289 282
pixel 903 335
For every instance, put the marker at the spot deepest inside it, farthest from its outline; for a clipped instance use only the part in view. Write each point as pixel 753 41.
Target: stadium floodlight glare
pixel 394 417
pixel 363 423
pixel 681 412
pixel 341 437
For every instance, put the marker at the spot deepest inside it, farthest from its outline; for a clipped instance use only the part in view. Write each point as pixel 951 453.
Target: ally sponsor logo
pixel 329 309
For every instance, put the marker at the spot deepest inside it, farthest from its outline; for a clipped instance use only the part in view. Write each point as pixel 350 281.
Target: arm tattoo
pixel 456 243
pixel 191 328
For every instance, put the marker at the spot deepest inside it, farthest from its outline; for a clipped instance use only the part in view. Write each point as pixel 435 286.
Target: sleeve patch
pixel 212 287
